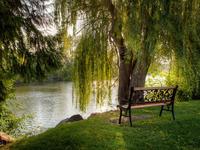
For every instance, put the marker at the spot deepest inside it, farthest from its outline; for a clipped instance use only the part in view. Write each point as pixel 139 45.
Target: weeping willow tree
pixel 123 29
pixel 133 29
pixel 24 49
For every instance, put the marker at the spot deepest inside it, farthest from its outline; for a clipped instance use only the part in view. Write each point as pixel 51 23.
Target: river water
pixel 49 103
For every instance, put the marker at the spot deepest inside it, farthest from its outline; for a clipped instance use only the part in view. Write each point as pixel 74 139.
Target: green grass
pixel 99 133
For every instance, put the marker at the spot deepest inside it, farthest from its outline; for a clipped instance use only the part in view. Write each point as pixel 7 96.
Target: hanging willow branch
pixel 92 68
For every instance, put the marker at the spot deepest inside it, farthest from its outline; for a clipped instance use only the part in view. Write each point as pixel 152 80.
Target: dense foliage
pixel 137 33
pixel 179 44
pixel 10 124
pixel 93 57
pixel 24 49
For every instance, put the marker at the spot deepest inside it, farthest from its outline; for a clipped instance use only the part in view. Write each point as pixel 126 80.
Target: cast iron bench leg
pixel 130 117
pixel 161 111
pixel 120 117
pixel 173 111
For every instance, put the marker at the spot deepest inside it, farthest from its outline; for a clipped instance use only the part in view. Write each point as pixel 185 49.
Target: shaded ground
pixel 99 133
pixel 115 120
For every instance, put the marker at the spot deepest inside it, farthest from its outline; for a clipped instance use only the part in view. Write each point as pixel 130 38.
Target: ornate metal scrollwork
pixel 146 95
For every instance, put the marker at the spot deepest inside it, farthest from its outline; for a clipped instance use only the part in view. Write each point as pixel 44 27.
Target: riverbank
pixel 49 103
pixel 101 132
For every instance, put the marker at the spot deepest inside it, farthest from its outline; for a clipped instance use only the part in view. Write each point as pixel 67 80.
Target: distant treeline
pixel 64 73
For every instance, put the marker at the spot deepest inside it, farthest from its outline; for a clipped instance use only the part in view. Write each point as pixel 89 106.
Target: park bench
pixel 141 97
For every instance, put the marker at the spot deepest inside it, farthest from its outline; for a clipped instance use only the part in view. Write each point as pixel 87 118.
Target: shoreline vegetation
pixel 100 132
pixel 62 74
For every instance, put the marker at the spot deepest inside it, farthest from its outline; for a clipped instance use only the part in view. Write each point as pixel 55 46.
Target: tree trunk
pixel 125 68
pixel 132 70
pixel 132 74
pixel 145 55
pixel 140 71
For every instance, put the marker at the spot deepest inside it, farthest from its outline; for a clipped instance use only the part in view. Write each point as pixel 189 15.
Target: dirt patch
pixel 134 118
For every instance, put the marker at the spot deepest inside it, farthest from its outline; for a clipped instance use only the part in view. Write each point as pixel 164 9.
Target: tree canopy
pixel 134 32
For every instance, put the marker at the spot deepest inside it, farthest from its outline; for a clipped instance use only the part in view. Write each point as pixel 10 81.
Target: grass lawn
pixel 99 133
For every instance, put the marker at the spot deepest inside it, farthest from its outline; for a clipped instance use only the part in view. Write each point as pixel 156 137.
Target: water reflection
pixel 50 103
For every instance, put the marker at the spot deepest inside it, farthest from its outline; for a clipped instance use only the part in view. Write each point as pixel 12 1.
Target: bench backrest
pixel 141 95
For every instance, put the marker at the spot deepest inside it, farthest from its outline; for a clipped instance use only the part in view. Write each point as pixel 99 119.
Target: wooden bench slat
pixel 143 105
pixel 148 105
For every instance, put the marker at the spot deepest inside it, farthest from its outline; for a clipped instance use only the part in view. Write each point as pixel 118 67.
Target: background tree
pixel 24 49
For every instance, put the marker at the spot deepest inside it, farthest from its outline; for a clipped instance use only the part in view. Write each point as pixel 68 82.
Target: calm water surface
pixel 49 103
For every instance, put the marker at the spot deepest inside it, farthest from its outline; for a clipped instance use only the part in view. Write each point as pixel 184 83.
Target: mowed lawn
pixel 99 133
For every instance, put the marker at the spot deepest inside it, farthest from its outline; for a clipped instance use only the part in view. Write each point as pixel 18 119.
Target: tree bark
pixel 125 69
pixel 124 64
pixel 139 75
pixel 145 55
pixel 140 70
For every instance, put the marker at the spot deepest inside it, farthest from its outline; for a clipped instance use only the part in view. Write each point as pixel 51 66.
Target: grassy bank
pixel 98 132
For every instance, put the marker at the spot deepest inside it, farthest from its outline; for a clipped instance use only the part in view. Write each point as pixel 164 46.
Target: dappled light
pixel 80 74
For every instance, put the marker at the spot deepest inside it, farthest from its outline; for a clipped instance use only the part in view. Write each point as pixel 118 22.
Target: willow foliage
pixel 181 39
pixel 136 28
pixel 92 68
pixel 93 56
pixel 105 24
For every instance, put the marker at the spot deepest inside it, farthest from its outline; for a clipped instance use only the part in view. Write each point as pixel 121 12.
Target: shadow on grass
pixel 162 134
pixel 99 133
